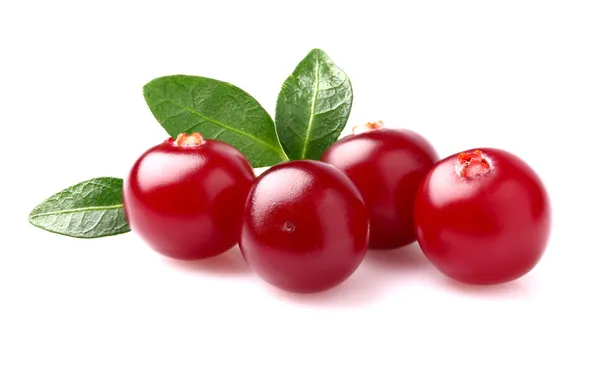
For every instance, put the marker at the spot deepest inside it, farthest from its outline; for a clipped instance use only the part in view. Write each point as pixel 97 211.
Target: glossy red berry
pixel 305 227
pixel 185 197
pixel 483 216
pixel 387 166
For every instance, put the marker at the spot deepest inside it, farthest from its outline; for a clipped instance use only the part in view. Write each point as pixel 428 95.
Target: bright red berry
pixel 387 166
pixel 185 197
pixel 305 227
pixel 483 216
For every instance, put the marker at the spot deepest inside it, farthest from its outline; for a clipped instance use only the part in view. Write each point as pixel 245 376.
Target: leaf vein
pixel 75 210
pixel 194 112
pixel 332 109
pixel 91 228
pixel 312 110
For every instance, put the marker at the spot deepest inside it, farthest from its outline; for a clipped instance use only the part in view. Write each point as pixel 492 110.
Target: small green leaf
pixel 217 110
pixel 313 107
pixel 89 209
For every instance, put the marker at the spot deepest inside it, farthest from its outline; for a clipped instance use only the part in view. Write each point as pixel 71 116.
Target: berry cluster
pixel 480 216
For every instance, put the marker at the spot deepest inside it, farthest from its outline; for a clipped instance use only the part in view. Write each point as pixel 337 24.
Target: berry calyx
pixel 367 127
pixel 192 140
pixel 472 164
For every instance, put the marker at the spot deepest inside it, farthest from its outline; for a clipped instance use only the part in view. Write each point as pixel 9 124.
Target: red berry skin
pixel 305 227
pixel 387 166
pixel 483 217
pixel 186 201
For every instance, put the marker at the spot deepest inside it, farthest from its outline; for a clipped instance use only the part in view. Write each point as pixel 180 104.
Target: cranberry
pixel 387 167
pixel 185 197
pixel 482 217
pixel 305 227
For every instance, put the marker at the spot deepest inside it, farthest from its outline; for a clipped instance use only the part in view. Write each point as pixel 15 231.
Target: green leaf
pixel 218 110
pixel 313 107
pixel 89 209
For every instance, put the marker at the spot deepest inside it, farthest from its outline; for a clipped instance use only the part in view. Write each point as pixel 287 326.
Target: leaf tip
pixel 31 218
pixel 158 80
pixel 316 52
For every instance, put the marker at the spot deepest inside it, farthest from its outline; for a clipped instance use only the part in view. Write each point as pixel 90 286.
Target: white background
pixel 519 75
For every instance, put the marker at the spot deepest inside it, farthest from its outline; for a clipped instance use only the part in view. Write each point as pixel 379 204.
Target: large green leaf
pixel 218 110
pixel 313 107
pixel 89 209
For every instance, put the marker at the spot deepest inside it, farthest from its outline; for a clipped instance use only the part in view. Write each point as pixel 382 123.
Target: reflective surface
pixel 490 228
pixel 187 202
pixel 386 166
pixel 305 228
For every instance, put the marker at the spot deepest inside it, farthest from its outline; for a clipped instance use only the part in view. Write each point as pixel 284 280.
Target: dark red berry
pixel 305 227
pixel 483 216
pixel 387 166
pixel 185 197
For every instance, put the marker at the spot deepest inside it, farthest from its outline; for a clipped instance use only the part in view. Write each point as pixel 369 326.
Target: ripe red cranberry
pixel 305 227
pixel 185 197
pixel 387 166
pixel 483 217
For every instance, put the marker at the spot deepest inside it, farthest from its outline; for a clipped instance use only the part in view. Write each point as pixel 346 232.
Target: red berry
pixel 185 197
pixel 482 217
pixel 387 167
pixel 305 227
